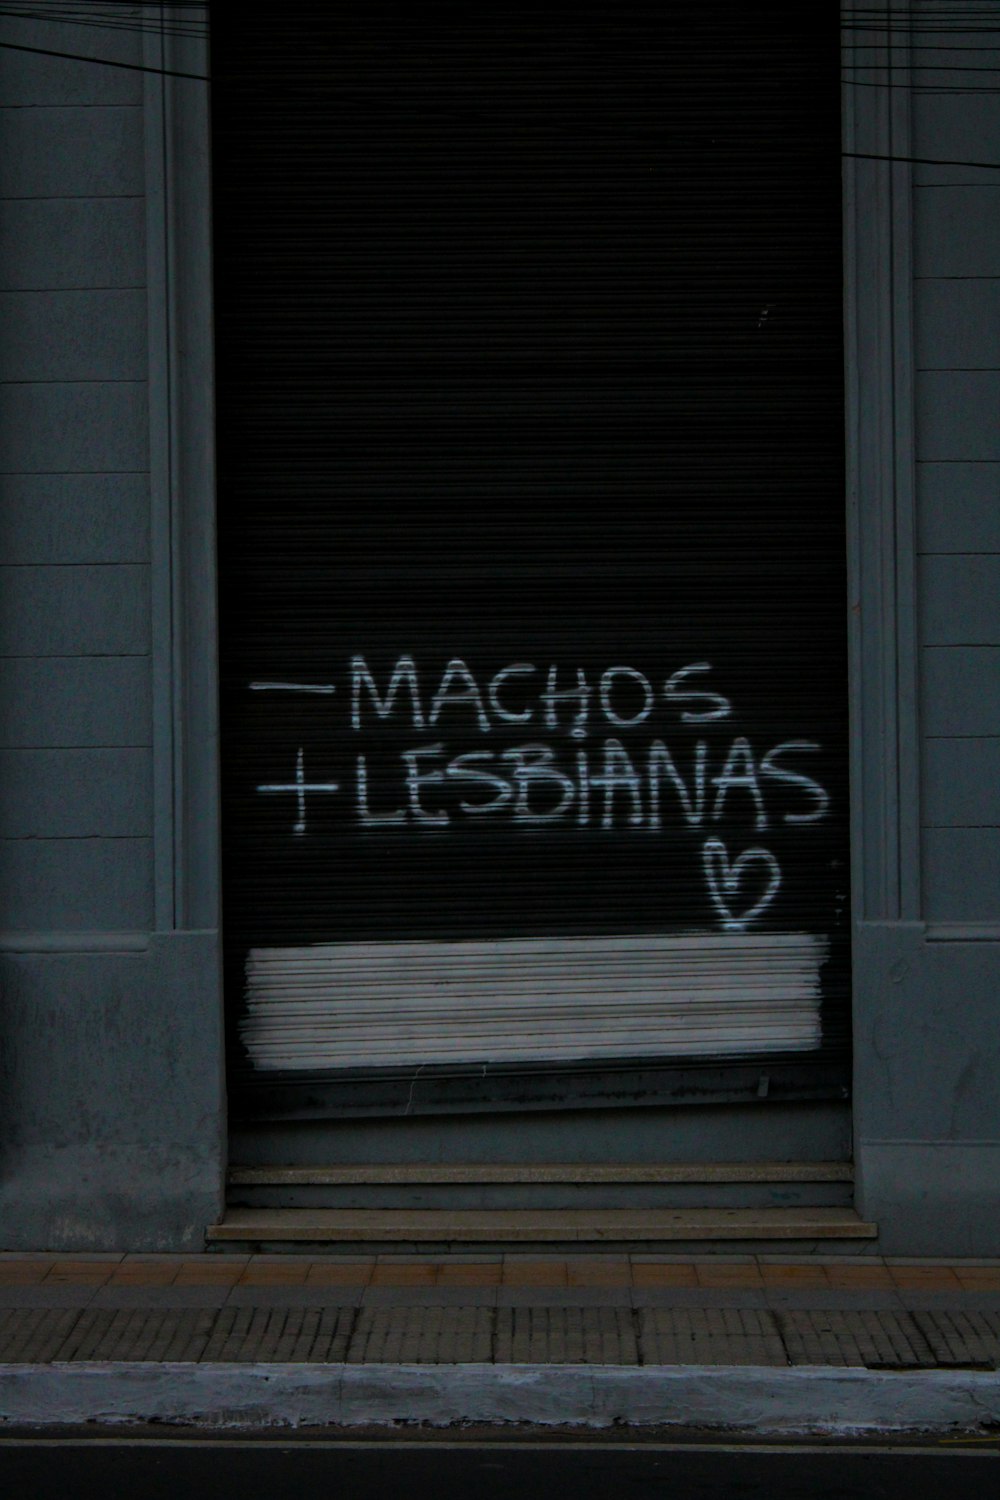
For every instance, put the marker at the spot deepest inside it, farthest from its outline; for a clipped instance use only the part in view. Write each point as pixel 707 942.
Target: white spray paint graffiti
pixel 300 787
pixel 607 785
pixel 725 879
pixel 292 687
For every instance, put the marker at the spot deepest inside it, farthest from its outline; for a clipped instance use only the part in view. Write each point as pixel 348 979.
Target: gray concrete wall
pixel 76 824
pixel 927 962
pixel 957 354
pixel 111 1099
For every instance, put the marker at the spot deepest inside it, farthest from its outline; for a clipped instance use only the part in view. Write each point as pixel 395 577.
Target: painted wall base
pixel 934 1198
pixel 927 1108
pixel 112 1110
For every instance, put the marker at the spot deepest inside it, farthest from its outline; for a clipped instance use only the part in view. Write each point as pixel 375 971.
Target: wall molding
pixel 182 462
pixel 963 932
pixel 74 942
pixel 879 400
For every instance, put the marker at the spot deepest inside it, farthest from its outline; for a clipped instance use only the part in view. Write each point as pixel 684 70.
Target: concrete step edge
pixel 565 1225
pixel 387 1173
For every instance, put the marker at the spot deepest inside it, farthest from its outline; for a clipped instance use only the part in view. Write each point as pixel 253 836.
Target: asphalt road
pixel 36 1469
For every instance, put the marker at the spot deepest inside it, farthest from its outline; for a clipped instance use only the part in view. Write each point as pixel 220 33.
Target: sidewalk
pixel 755 1342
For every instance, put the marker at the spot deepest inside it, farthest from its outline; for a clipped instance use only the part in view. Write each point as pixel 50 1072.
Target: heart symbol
pixel 724 881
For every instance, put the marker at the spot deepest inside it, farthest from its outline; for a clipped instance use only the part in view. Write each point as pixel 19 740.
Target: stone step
pixel 531 1226
pixel 540 1195
pixel 405 1174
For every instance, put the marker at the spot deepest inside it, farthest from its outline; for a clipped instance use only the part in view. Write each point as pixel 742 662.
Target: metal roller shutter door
pixel 531 544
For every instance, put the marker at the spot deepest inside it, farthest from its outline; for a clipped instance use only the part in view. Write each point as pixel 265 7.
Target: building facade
pixel 131 845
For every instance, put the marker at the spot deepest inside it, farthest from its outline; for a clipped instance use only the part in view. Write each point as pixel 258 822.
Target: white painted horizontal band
pixel 334 1005
pixel 756 1398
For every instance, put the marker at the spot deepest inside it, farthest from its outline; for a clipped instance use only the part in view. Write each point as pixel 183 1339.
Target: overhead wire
pixel 168 18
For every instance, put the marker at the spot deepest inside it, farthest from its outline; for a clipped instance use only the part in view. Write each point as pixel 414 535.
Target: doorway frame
pixel 878 325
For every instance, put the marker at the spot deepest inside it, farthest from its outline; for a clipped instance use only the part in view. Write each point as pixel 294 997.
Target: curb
pixel 762 1399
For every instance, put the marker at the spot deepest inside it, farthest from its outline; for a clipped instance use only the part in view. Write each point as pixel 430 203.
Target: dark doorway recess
pixel 532 553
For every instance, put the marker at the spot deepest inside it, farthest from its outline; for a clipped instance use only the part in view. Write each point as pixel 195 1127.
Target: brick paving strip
pixel 861 1312
pixel 536 1335
pixel 744 1272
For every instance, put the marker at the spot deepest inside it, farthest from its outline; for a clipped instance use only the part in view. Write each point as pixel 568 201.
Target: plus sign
pixel 300 786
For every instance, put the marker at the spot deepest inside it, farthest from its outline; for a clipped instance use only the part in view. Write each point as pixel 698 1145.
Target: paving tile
pixel 927 1278
pixel 68 1264
pixel 289 1329
pixel 258 1336
pixel 850 1299
pixel 875 1339
pixel 686 1296
pixel 293 1296
pixel 326 1274
pixel 798 1275
pixel 34 1335
pixel 206 1273
pixel 914 1299
pixel 413 1274
pixel 152 1297
pixel 134 1331
pixel 21 1273
pixel 95 1279
pixel 709 1336
pixel 315 1335
pixel 288 1273
pixel 658 1273
pixel 962 1338
pixel 535 1272
pixel 598 1273
pixel 470 1274
pixel 175 1334
pixel 734 1274
pixel 565 1335
pixel 125 1333
pixel 429 1296
pixel 79 1273
pixel 148 1275
pixel 143 1334
pixel 564 1296
pixel 229 1330
pixel 241 1340
pixel 813 1338
pixel 85 1337
pixel 422 1335
pixel 848 1276
pixel 48 1294
pixel 283 1323
pixel 978 1278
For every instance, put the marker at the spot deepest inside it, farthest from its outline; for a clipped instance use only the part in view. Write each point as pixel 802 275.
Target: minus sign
pixel 292 687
